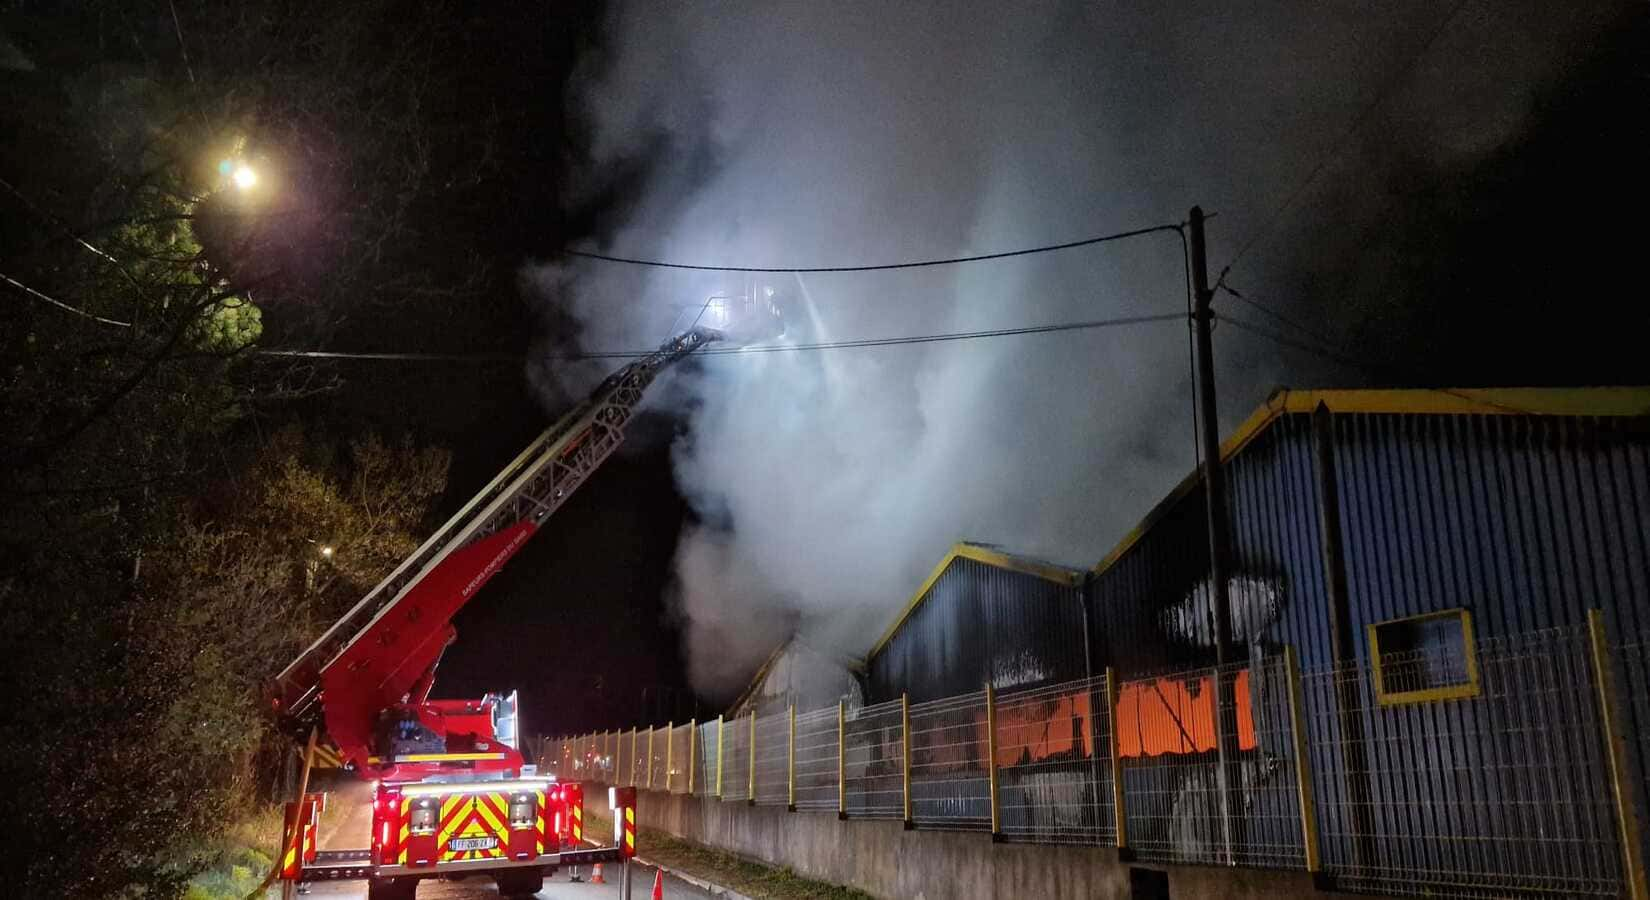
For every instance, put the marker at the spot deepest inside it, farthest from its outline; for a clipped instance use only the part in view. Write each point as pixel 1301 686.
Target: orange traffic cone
pixel 596 876
pixel 659 884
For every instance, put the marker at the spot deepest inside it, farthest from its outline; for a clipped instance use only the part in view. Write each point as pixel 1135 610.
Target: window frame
pixel 1458 691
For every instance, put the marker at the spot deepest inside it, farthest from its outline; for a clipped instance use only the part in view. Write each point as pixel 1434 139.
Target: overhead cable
pixel 879 267
pixel 1116 322
pixel 59 303
pixel 1339 146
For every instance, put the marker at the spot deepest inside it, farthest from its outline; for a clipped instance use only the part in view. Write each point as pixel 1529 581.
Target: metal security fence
pixel 658 751
pixel 950 763
pixel 1188 801
pixel 772 760
pixel 1503 791
pixel 707 756
pixel 874 761
pixel 1054 753
pixel 815 772
pixel 736 759
pixel 1513 770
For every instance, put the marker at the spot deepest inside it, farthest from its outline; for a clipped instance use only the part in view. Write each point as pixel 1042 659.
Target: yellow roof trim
pixel 1604 402
pixel 996 558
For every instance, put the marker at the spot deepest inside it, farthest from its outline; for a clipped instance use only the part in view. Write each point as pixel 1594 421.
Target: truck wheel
pixel 392 888
pixel 520 884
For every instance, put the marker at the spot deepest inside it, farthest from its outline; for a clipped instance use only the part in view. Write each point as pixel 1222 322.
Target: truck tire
pixel 520 884
pixel 392 888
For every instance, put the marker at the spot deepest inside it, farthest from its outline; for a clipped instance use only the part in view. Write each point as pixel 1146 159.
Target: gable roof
pixel 982 553
pixel 1602 402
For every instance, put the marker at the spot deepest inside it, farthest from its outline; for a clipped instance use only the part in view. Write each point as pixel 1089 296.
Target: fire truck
pixel 453 794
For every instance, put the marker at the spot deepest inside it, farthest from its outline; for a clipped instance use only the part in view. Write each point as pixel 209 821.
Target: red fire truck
pixel 454 795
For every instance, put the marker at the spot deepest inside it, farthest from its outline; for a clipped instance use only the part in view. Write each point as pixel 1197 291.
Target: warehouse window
pixel 1424 658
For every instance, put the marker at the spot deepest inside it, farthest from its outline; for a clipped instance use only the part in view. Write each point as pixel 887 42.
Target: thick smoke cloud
pixel 828 483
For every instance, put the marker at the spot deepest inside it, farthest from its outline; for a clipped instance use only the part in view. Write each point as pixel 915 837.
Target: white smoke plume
pixel 806 134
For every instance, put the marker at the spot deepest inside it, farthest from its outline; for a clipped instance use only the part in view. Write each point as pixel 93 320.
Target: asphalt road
pixel 348 819
pixel 557 887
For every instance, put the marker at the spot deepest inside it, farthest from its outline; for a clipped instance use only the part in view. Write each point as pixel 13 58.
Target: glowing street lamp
pixel 245 178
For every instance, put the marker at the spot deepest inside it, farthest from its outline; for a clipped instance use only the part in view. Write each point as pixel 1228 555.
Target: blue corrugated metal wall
pixel 1526 521
pixel 979 621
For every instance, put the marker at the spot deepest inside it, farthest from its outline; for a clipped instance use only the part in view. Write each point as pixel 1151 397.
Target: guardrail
pixel 1521 780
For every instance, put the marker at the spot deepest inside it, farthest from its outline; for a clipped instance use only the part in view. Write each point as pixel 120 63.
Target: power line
pixel 1116 322
pixel 1275 315
pixel 1366 365
pixel 1339 146
pixel 59 303
pixel 918 264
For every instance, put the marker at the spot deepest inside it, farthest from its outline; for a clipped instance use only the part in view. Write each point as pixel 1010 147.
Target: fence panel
pixel 773 759
pixel 1054 767
pixel 1633 687
pixel 874 761
pixel 681 738
pixel 705 782
pixel 1503 792
pixel 660 746
pixel 736 745
pixel 1172 775
pixel 950 781
pixel 816 759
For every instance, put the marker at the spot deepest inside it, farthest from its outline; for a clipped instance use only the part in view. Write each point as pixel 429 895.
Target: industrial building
pixel 1428 557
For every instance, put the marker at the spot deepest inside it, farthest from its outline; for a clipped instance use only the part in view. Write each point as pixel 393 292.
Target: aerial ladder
pixel 453 793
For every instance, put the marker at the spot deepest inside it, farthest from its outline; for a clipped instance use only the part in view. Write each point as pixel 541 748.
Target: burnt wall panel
pixel 979 621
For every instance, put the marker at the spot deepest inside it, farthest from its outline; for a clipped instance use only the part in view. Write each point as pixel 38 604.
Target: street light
pixel 245 178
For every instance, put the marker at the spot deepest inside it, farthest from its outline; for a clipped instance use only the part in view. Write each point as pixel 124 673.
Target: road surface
pixel 557 887
pixel 348 820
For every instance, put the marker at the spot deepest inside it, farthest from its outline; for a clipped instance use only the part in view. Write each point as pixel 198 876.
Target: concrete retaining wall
pixel 884 860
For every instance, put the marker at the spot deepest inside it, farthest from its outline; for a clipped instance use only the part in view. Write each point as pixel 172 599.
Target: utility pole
pixel 1214 501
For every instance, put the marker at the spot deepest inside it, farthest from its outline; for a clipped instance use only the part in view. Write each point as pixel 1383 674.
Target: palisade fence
pixel 1527 785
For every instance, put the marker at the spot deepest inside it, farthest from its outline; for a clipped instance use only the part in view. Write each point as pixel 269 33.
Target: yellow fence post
pixel 991 760
pixel 841 760
pixel 1120 814
pixel 650 730
pixel 693 752
pixel 905 754
pixel 1615 747
pixel 750 791
pixel 790 764
pixel 670 754
pixel 1303 765
pixel 720 756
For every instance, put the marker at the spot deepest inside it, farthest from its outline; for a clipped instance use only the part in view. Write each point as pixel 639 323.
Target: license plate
pixel 458 845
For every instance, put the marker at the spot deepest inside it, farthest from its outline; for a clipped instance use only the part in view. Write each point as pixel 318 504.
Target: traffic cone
pixel 659 884
pixel 596 876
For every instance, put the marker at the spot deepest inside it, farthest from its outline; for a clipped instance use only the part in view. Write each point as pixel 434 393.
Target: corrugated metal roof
pixel 1603 402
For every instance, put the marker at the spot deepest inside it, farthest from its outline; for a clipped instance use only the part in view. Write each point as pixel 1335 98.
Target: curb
pixel 709 887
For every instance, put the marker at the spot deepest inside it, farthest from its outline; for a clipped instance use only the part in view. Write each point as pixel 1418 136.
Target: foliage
pixel 158 739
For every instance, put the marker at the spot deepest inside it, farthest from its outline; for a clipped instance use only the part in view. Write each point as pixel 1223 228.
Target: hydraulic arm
pixel 381 655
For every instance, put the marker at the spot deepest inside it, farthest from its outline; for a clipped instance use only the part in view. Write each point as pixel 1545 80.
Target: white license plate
pixel 459 845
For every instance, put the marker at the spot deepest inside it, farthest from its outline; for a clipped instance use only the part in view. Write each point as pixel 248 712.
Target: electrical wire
pixel 903 340
pixel 1339 146
pixel 60 304
pixel 1366 365
pixel 882 267
pixel 1275 315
